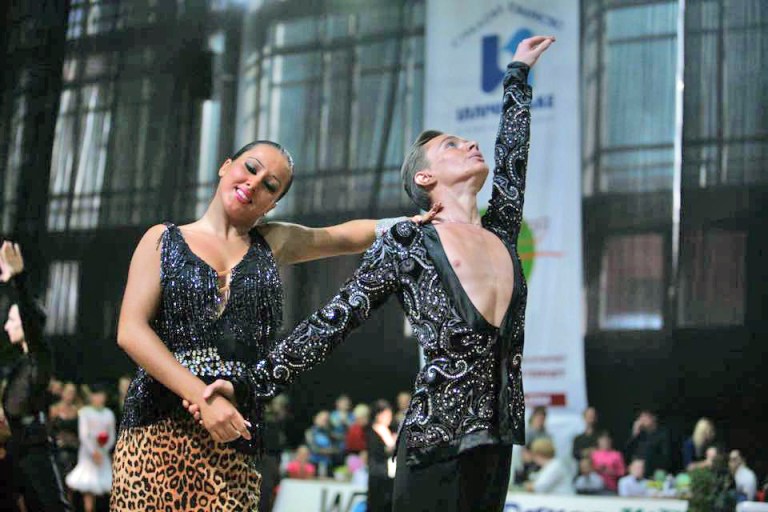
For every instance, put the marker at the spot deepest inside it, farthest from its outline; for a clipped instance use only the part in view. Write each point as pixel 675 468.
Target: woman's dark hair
pixel 378 407
pixel 275 145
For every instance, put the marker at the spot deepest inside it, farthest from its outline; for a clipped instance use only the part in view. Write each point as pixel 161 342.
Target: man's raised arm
pixel 505 210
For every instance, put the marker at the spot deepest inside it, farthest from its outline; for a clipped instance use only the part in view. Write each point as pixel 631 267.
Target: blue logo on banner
pixel 492 75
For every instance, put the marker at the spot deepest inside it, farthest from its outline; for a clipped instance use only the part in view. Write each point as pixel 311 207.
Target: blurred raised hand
pixel 11 261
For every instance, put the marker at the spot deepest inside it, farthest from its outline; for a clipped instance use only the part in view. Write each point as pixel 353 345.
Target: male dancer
pixel 461 285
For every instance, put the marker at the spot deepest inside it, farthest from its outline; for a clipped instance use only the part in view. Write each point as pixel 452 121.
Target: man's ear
pixel 424 178
pixel 224 166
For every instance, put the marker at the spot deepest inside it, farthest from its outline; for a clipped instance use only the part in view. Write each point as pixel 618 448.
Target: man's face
pixel 343 404
pixel 403 400
pixel 590 416
pixel 734 460
pixel 455 160
pixel 637 468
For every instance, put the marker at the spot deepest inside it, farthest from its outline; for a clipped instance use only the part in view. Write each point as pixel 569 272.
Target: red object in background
pixel 102 438
pixel 355 439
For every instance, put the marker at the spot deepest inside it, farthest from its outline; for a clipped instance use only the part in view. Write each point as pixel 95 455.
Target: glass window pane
pixel 631 282
pixel 62 296
pixel 712 278
pixel 641 20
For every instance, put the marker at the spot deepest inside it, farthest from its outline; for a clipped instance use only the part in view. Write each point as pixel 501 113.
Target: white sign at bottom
pixel 331 496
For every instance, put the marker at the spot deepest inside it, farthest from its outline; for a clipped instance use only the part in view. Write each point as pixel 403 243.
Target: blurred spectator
pixel 360 470
pixel 634 484
pixel 403 401
pixel 584 443
pixel 536 426
pixel 341 417
pixel 55 387
pixel 122 391
pixel 355 441
pixel 695 447
pixel 300 467
pixel 280 413
pixel 63 423
pixel 588 481
pixel 554 477
pixel 7 497
pixel 536 430
pixel 608 463
pixel 762 494
pixel 321 444
pixel 381 446
pixel 744 478
pixel 649 442
pixel 92 476
pixel 268 464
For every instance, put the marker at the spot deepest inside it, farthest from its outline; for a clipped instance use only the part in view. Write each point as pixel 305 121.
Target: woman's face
pixel 384 417
pixel 537 421
pixel 69 393
pixel 604 443
pixel 250 186
pixel 98 399
pixel 13 325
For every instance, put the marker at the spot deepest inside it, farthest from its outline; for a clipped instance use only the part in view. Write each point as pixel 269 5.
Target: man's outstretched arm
pixel 505 211
pixel 312 340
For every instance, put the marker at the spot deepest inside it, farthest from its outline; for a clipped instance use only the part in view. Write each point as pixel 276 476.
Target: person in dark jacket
pixel 25 400
pixel 381 445
pixel 649 442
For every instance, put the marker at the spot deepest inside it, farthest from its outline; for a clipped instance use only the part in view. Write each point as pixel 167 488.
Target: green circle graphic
pixel 526 247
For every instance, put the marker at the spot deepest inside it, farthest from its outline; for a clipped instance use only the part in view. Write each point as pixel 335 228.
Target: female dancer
pixel 25 399
pixel 204 301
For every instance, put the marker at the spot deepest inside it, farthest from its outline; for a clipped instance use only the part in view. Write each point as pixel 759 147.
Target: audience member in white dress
pixel 93 474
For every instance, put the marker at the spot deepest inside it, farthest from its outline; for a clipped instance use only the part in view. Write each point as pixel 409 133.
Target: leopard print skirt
pixel 176 465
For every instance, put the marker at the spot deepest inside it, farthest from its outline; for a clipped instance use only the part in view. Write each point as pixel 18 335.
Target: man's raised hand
pixel 529 50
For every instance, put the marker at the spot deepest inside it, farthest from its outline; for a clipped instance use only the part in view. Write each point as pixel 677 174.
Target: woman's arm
pixel 136 336
pixel 293 243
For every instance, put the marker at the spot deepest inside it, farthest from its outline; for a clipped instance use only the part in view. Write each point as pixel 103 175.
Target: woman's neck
pixel 216 221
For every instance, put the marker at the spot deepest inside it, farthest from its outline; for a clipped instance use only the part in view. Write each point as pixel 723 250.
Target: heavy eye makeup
pixel 254 167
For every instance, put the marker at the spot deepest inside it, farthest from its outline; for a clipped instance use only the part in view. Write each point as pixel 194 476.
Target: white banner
pixel 468 45
pixel 540 503
pixel 330 496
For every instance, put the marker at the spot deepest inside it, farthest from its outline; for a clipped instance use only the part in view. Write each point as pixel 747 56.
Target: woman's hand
pixel 222 420
pixel 427 217
pixel 11 261
pixel 98 458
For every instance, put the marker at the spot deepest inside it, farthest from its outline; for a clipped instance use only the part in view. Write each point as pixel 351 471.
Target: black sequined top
pixel 210 341
pixel 470 391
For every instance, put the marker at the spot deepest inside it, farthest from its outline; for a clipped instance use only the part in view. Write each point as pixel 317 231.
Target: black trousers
pixel 475 481
pixel 38 480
